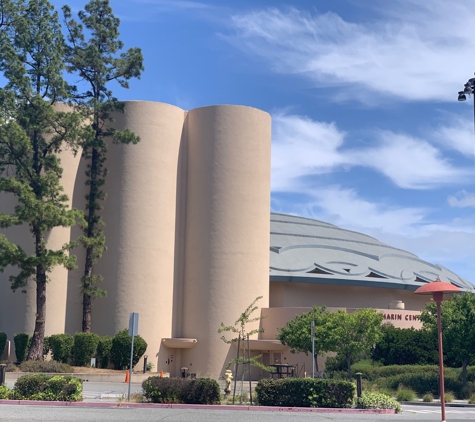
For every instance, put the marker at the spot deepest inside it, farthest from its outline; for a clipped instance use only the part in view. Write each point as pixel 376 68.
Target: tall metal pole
pixel 131 364
pixel 438 299
pixel 312 334
pixel 249 363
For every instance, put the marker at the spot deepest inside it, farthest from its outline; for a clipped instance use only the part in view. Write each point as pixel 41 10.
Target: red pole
pixel 438 299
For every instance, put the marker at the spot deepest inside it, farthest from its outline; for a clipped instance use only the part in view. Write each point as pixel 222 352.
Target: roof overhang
pixel 179 343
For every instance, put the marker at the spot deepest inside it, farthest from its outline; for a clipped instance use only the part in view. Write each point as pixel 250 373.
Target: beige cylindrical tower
pixel 140 212
pixel 227 226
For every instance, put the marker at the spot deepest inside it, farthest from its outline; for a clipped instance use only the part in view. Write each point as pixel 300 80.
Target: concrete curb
pixel 196 407
pixel 435 404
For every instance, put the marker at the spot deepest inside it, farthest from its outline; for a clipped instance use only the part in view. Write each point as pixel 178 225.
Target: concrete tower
pixel 227 226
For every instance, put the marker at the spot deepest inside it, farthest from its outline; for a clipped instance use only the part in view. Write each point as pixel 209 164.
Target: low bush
pixel 377 401
pixel 21 341
pixel 3 342
pixel 11 367
pixel 85 345
pixel 428 398
pixel 61 347
pixel 405 394
pixel 50 366
pixel 471 400
pixel 449 397
pixel 120 350
pixel 5 392
pixel 305 392
pixel 47 387
pixel 181 390
pixel 103 351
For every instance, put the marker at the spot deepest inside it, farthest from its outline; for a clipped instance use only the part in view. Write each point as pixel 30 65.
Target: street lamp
pixel 437 289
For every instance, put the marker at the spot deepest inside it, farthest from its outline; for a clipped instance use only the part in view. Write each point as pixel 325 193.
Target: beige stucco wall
pixel 227 226
pixel 307 294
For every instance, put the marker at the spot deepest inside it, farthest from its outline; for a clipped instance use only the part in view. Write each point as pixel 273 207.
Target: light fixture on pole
pixel 468 89
pixel 437 289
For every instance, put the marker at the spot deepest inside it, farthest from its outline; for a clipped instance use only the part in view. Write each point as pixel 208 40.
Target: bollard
pixel 359 386
pixel 2 373
pixel 145 364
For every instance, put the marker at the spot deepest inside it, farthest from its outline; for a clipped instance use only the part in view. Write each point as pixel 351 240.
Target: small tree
pixel 297 333
pixel 353 334
pixel 458 328
pixel 241 331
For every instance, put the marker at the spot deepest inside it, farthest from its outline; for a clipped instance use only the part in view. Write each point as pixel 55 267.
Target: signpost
pixel 133 331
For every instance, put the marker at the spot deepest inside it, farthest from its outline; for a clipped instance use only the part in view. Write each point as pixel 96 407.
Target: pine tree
pixel 32 134
pixel 93 54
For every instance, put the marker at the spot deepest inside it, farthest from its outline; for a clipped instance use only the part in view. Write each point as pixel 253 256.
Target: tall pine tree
pixel 32 134
pixel 94 54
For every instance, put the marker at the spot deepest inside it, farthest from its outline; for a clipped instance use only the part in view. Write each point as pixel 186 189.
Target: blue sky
pixel 367 130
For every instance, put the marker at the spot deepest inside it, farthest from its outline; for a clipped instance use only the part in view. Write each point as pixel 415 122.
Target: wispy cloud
pixel 411 51
pixel 409 162
pixel 462 199
pixel 303 147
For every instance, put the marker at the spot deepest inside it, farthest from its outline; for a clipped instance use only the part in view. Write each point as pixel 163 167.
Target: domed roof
pixel 303 250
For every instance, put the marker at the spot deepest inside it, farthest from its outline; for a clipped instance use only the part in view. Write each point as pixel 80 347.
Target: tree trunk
pixel 36 348
pixel 91 213
pixel 464 374
pixel 86 297
pixel 316 362
pixel 348 362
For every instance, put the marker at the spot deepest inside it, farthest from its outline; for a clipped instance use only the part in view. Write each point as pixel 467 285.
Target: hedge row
pixel 181 390
pixel 305 392
pixel 420 378
pixel 44 387
pixel 82 347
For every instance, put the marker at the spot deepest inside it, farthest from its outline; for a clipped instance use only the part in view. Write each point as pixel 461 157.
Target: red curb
pixel 195 407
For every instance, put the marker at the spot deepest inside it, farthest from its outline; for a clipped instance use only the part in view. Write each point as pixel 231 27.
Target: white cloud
pixel 302 148
pixel 462 199
pixel 343 207
pixel 415 50
pixel 458 135
pixel 409 162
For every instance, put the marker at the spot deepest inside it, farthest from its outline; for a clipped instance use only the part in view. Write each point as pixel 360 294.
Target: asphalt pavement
pixel 61 414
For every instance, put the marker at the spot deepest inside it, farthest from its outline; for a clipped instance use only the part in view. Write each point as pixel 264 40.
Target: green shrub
pixel 21 341
pixel 428 398
pixel 449 397
pixel 305 392
pixel 104 350
pixel 3 342
pixel 120 350
pixel 336 363
pixel 406 346
pixel 405 394
pixel 46 347
pixel 50 366
pixel 11 367
pixel 61 347
pixel 85 345
pixel 5 392
pixel 471 400
pixel 48 387
pixel 377 401
pixel 181 390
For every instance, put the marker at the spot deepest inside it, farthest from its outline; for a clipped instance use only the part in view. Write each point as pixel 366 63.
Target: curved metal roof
pixel 303 250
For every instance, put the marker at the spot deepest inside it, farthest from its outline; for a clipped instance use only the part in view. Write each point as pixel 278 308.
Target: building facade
pixel 188 245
